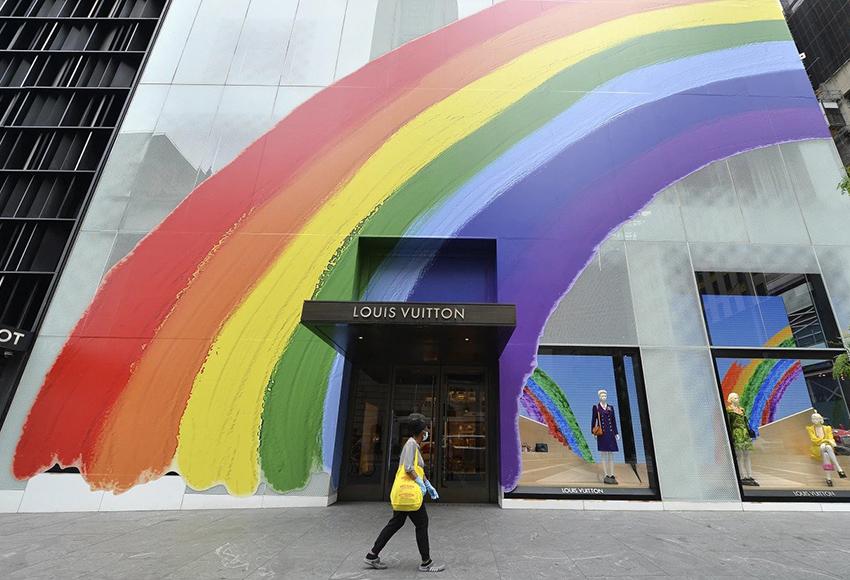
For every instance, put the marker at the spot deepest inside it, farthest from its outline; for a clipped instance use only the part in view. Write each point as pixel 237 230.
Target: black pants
pixel 419 519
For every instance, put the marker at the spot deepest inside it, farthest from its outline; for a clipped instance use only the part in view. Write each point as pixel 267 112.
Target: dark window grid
pixel 821 29
pixel 104 35
pixel 84 8
pixel 59 113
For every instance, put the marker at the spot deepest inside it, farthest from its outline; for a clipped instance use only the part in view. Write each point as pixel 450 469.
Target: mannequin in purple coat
pixel 605 416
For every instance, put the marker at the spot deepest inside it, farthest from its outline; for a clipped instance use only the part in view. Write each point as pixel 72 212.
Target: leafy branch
pixel 844 185
pixel 841 365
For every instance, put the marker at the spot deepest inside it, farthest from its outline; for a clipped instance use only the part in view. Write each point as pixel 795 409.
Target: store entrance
pixel 460 455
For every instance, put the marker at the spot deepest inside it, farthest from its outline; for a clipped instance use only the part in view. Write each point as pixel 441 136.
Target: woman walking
pixel 411 466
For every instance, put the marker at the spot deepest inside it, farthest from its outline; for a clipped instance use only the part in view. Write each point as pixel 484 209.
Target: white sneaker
pixel 375 563
pixel 431 567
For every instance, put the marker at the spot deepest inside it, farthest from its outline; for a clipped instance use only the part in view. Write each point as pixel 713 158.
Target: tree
pixel 844 185
pixel 841 365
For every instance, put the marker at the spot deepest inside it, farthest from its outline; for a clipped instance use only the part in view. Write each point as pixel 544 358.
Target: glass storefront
pixel 583 426
pixel 788 421
pixel 773 339
pixel 458 456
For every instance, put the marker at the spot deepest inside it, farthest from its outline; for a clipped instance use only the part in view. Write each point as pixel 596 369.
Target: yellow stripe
pixel 220 429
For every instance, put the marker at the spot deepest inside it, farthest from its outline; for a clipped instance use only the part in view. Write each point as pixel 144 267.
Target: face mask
pixel 425 436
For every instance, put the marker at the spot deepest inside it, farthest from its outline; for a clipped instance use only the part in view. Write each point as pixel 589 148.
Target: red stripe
pixel 554 431
pixel 137 294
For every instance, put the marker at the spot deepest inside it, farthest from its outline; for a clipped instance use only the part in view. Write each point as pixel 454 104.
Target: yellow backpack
pixel 406 496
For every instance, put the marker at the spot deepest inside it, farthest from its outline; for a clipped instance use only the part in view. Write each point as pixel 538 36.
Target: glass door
pixel 415 390
pixel 464 436
pixel 458 454
pixel 364 465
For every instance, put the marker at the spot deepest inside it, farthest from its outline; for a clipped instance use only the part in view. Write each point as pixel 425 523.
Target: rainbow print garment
pixel 546 403
pixel 541 124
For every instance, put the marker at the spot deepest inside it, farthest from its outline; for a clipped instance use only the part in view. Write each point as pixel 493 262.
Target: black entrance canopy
pixel 412 330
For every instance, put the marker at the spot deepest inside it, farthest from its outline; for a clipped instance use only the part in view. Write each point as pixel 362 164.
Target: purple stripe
pixel 613 202
pixel 590 189
pixel 627 137
pixel 532 409
pixel 794 372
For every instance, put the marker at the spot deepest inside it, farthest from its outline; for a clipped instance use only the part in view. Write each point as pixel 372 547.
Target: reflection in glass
pixel 400 21
pixel 313 48
pixel 764 310
pixel 815 168
pixel 666 306
pixel 709 206
pixel 367 448
pixel 836 275
pixel 209 50
pixel 414 391
pixel 465 428
pixel 598 308
pixel 768 204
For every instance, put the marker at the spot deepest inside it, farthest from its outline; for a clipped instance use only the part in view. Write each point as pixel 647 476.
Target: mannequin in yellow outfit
pixel 823 447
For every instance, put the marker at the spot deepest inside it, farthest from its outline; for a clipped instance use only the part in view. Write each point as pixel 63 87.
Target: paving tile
pixel 772 565
pixel 834 561
pixel 616 561
pixel 523 567
pixel 20 551
pixel 296 567
pixel 18 523
pixel 91 566
pixel 476 542
pixel 234 558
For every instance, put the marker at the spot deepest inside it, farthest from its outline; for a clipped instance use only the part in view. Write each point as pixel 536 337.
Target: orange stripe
pixel 130 446
pixel 138 293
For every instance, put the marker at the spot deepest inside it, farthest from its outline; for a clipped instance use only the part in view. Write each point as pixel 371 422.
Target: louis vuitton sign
pixel 318 312
pixel 409 312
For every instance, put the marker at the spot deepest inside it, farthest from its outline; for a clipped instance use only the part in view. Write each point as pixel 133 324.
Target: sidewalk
pixel 474 541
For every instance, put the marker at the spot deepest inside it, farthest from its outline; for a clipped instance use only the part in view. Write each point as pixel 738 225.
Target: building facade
pixel 821 30
pixel 600 246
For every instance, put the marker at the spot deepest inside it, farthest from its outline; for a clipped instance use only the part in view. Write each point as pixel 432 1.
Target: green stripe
pixel 551 388
pixel 295 397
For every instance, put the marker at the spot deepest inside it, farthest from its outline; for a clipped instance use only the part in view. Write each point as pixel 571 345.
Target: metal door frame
pixel 491 424
pixel 490 485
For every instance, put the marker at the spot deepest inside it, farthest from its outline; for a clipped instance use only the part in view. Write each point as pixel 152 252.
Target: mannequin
pixel 823 447
pixel 606 442
pixel 742 441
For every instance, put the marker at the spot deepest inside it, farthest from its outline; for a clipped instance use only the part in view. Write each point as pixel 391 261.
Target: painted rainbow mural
pixel 543 125
pixel 762 383
pixel 546 403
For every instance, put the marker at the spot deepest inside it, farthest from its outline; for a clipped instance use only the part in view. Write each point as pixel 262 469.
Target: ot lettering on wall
pixel 14 339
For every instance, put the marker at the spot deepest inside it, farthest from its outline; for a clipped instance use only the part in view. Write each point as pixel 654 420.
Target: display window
pixel 583 427
pixel 788 423
pixel 744 309
pixel 773 340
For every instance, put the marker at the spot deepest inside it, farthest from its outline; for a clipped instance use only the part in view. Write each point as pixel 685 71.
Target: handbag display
pixel 597 429
pixel 405 495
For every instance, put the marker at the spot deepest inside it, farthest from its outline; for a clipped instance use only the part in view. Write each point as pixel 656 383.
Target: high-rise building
pixel 821 29
pixel 598 245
